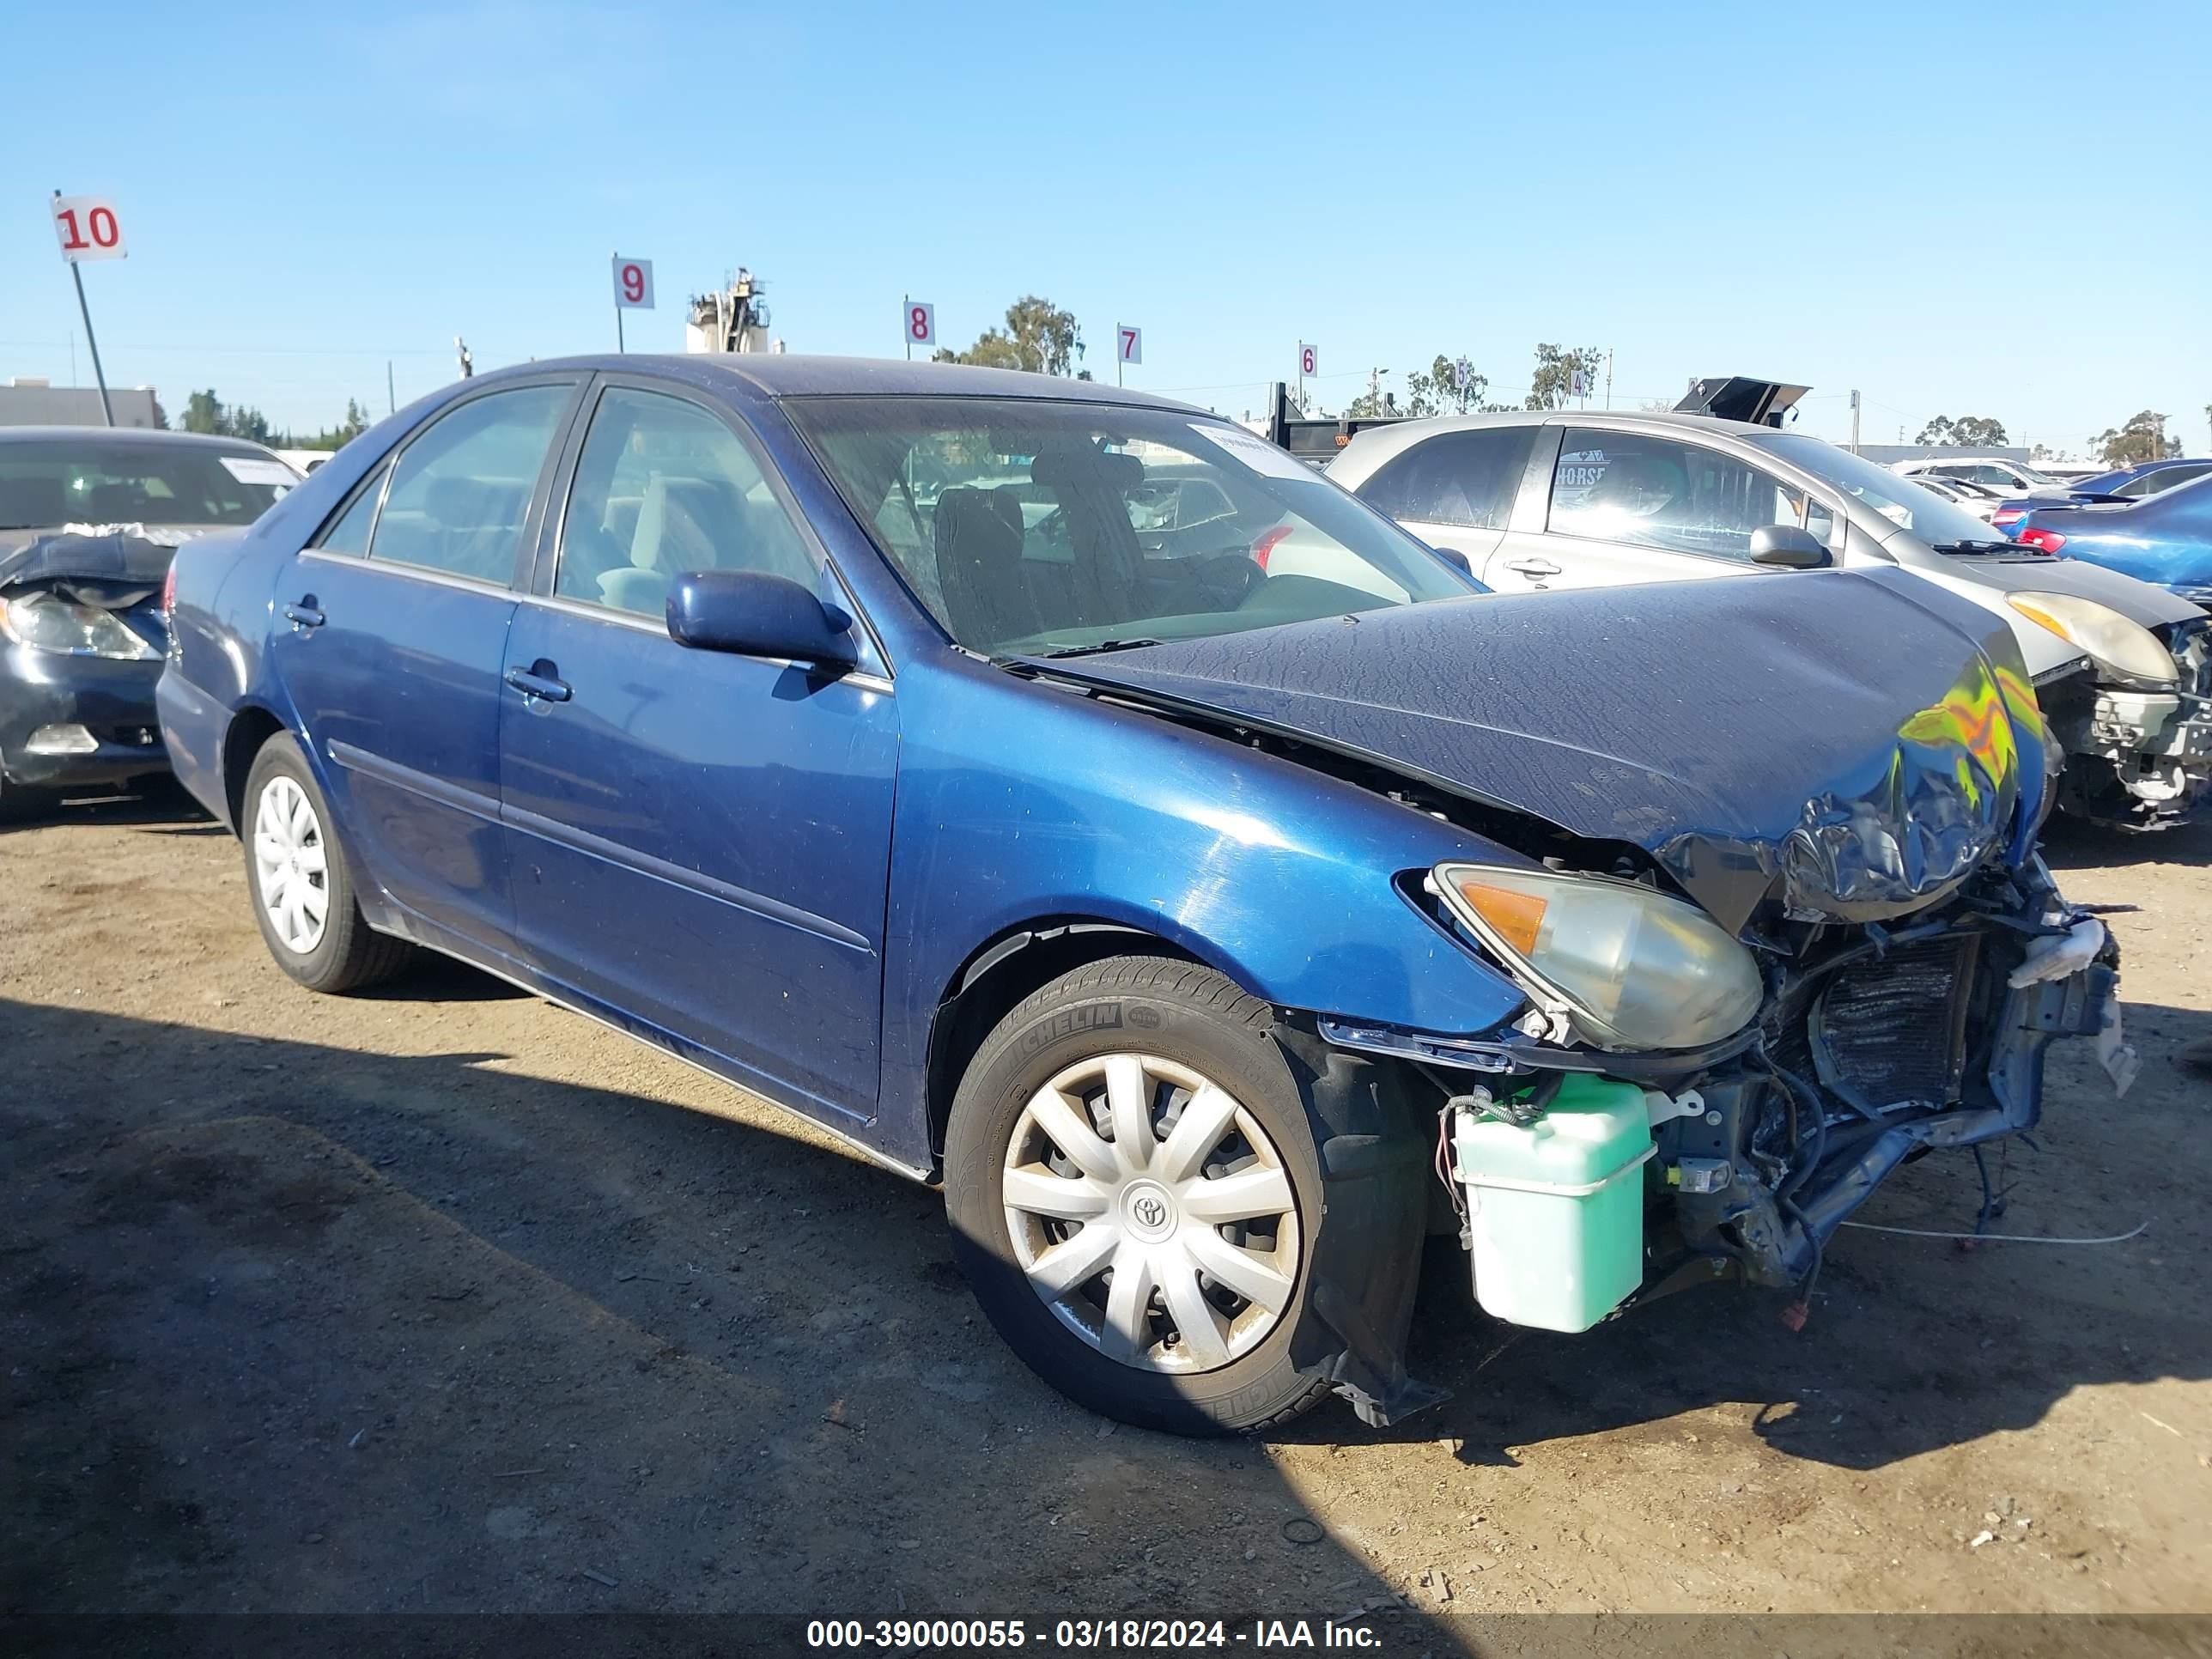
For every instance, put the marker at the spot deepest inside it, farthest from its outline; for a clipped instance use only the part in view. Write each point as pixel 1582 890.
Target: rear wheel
pixel 1131 1176
pixel 301 886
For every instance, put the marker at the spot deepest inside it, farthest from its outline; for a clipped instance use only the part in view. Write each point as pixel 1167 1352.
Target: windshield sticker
pixel 252 469
pixel 1256 453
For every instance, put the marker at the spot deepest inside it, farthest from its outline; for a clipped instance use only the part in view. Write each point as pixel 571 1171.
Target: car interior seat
pixel 978 536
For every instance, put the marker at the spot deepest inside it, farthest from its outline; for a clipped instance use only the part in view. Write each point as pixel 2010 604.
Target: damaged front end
pixel 2139 756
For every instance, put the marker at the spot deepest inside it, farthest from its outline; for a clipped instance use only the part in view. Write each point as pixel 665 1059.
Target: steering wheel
pixel 1227 579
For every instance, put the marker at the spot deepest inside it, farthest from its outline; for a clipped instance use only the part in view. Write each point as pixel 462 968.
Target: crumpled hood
pixel 119 553
pixel 1855 743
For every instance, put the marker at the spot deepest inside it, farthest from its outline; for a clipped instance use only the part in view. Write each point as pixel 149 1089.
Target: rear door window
pixel 461 490
pixel 1465 477
pixel 1647 491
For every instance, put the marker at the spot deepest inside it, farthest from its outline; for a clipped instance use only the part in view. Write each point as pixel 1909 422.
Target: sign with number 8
pixel 921 323
pixel 87 228
pixel 632 284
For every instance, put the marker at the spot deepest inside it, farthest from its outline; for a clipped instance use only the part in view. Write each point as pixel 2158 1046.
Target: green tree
pixel 1438 391
pixel 1038 337
pixel 1552 383
pixel 1968 431
pixel 203 412
pixel 2142 439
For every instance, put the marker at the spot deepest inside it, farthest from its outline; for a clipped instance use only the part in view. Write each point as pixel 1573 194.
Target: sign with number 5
pixel 88 228
pixel 1132 341
pixel 921 323
pixel 632 284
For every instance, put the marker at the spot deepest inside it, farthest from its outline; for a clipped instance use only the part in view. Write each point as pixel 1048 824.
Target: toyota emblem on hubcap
pixel 1151 1211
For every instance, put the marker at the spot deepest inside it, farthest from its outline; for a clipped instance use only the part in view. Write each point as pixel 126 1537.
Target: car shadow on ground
pixel 2068 844
pixel 296 1327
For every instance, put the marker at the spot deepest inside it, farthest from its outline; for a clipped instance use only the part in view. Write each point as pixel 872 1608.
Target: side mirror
pixel 756 615
pixel 1457 560
pixel 1789 546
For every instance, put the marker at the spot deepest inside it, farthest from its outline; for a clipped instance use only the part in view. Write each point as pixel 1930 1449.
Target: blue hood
pixel 1853 744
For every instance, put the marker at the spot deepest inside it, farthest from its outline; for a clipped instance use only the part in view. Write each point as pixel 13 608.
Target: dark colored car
pixel 2165 538
pixel 831 725
pixel 88 519
pixel 2126 483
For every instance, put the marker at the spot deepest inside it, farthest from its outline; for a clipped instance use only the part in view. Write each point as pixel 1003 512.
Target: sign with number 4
pixel 1132 343
pixel 632 284
pixel 88 228
pixel 921 323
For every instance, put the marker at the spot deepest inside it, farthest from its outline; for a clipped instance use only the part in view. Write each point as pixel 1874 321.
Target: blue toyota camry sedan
pixel 1066 797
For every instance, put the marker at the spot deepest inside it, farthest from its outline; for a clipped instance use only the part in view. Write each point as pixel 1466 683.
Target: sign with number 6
pixel 1306 360
pixel 87 228
pixel 632 284
pixel 921 323
pixel 1132 341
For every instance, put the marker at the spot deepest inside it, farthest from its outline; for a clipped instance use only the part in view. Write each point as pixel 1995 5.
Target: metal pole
pixel 391 399
pixel 85 310
pixel 906 322
pixel 1608 377
pixel 1855 422
pixel 621 344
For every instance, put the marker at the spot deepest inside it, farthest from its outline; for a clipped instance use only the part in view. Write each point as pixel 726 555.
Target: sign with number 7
pixel 1132 341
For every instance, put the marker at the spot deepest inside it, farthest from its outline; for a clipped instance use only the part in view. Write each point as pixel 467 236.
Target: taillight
pixel 2050 541
pixel 169 593
pixel 1266 545
pixel 2006 517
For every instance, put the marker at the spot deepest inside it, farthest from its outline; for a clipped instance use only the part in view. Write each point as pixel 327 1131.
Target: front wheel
pixel 1132 1179
pixel 301 886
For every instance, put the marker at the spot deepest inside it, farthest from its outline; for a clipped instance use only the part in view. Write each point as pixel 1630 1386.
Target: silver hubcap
pixel 291 866
pixel 1151 1213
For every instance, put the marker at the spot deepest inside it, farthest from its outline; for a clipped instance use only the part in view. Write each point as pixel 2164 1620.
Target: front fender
pixel 1020 801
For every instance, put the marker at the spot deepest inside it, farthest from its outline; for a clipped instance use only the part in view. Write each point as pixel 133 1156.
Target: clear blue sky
pixel 1868 195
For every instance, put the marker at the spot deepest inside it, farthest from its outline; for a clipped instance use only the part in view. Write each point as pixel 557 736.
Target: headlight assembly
pixel 1635 968
pixel 2124 647
pixel 46 622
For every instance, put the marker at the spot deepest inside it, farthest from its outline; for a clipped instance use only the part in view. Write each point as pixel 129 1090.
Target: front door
pixel 699 841
pixel 391 631
pixel 1633 507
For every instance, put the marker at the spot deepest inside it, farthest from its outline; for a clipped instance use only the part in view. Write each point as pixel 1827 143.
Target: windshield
pixel 1900 500
pixel 45 481
pixel 1030 527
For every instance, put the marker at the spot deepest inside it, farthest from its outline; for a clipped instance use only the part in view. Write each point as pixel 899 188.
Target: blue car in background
pixel 2126 483
pixel 2166 538
pixel 1064 796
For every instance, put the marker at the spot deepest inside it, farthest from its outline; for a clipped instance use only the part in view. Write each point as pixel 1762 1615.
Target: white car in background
pixel 1992 472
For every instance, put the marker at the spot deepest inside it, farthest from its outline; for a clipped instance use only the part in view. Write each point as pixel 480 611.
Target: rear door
pixel 390 635
pixel 1455 490
pixel 700 841
pixel 1627 506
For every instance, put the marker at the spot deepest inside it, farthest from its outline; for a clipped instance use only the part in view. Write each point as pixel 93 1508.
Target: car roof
pixel 149 436
pixel 748 375
pixel 1376 444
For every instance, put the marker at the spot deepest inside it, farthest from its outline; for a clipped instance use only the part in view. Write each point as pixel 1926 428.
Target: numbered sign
pixel 1463 376
pixel 1132 343
pixel 1306 359
pixel 88 228
pixel 921 323
pixel 1579 383
pixel 632 284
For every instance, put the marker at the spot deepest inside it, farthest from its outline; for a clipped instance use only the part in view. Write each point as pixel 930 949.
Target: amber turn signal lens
pixel 1517 916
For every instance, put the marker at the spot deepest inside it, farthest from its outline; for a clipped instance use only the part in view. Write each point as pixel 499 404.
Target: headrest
pixel 1078 467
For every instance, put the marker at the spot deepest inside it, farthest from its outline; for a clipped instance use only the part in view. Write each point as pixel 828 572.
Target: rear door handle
pixel 533 684
pixel 304 614
pixel 1533 567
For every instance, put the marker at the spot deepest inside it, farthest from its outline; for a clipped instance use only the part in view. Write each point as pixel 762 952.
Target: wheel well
pixel 249 729
pixel 998 976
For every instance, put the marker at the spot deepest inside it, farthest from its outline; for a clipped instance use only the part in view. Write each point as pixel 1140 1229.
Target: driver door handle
pixel 1533 567
pixel 304 614
pixel 537 685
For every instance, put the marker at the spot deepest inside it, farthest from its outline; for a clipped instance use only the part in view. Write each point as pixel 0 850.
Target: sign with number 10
pixel 88 228
pixel 632 284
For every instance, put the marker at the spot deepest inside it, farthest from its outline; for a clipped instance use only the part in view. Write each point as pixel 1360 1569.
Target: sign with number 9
pixel 87 228
pixel 632 284
pixel 921 323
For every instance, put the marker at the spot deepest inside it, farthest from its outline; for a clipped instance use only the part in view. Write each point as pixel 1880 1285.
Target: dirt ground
pixel 447 1299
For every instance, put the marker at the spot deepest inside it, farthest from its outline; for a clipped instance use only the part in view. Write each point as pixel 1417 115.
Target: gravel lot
pixel 444 1298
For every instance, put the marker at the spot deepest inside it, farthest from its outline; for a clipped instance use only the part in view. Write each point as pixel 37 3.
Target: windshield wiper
pixel 1099 649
